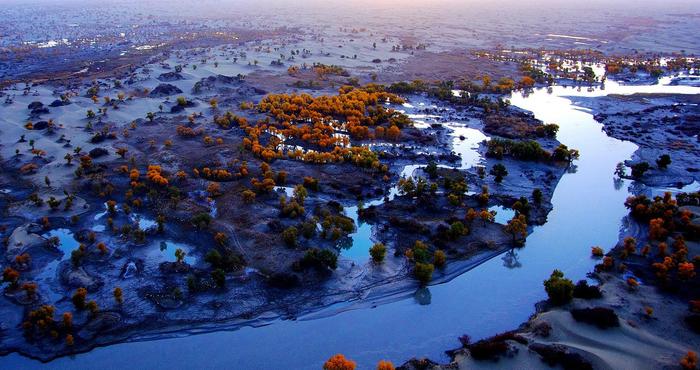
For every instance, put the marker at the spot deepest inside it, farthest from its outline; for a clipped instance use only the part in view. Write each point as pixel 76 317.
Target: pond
pixel 66 245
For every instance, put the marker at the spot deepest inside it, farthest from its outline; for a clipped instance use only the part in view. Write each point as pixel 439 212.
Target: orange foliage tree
pixel 339 362
pixel 155 175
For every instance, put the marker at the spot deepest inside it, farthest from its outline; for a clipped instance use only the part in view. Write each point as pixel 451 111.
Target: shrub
pixel 283 280
pixel 492 348
pixel 118 295
pixel 599 316
pixel 378 252
pixel 487 350
pixel 556 354
pixel 559 289
pixel 320 259
pixel 585 291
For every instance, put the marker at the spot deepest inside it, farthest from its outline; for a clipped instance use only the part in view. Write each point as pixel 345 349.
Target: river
pixel 495 296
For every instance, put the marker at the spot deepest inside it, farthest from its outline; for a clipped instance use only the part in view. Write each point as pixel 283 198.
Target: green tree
pixel 378 252
pixel 498 171
pixel 559 289
pixel 180 255
pixel 663 161
pixel 537 196
pixel 289 235
pixel 219 277
pixel 423 272
pixel 639 169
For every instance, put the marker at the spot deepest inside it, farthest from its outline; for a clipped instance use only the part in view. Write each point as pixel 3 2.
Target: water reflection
pixel 423 296
pixel 510 259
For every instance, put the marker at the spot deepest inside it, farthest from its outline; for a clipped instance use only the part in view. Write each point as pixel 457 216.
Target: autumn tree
pixel 30 289
pixel 597 251
pixel 248 196
pixel 220 238
pixel 79 298
pixel 10 275
pixel 439 258
pixel 527 82
pixel 214 189
pixel 393 133
pixel 67 320
pixel 118 295
pixel 93 307
pixel 486 216
pixel 657 231
pixel 686 270
pixel 689 361
pixel 517 227
pixel 470 216
pixel 339 362
pixel 486 82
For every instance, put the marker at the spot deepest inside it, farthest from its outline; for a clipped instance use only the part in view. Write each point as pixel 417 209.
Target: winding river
pixel 495 296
